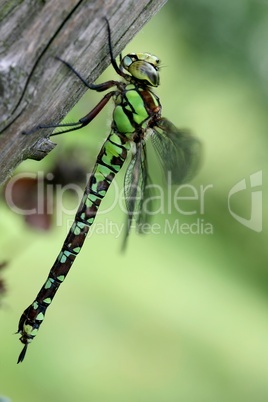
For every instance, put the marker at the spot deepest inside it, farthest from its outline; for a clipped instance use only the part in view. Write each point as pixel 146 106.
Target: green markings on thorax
pixel 133 108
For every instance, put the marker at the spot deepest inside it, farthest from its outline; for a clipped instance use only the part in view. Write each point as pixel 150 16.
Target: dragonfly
pixel 136 118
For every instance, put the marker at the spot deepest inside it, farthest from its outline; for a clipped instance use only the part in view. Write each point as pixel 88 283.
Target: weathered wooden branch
pixel 34 87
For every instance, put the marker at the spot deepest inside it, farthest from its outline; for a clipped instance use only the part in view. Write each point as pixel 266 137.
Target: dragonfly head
pixel 142 66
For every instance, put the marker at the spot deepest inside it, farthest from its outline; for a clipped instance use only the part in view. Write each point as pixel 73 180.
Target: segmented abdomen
pixel 109 162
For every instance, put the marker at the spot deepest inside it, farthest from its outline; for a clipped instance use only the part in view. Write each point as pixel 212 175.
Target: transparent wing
pixel 178 150
pixel 137 189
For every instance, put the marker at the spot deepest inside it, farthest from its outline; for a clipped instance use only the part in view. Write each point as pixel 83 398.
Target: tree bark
pixel 34 87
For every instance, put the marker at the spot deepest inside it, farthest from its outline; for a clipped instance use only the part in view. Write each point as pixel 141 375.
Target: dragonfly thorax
pixel 142 66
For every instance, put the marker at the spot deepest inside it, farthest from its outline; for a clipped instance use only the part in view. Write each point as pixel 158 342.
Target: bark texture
pixel 34 87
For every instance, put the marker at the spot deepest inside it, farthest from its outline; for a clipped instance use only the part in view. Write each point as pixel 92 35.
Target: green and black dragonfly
pixel 136 117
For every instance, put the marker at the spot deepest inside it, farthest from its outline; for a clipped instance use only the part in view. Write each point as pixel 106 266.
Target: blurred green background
pixel 178 317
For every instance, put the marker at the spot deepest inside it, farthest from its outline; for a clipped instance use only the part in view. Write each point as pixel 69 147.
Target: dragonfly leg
pixel 96 87
pixel 113 61
pixel 84 121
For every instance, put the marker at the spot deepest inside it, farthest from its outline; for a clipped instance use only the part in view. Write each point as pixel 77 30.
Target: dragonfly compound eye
pixel 144 71
pixel 142 66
